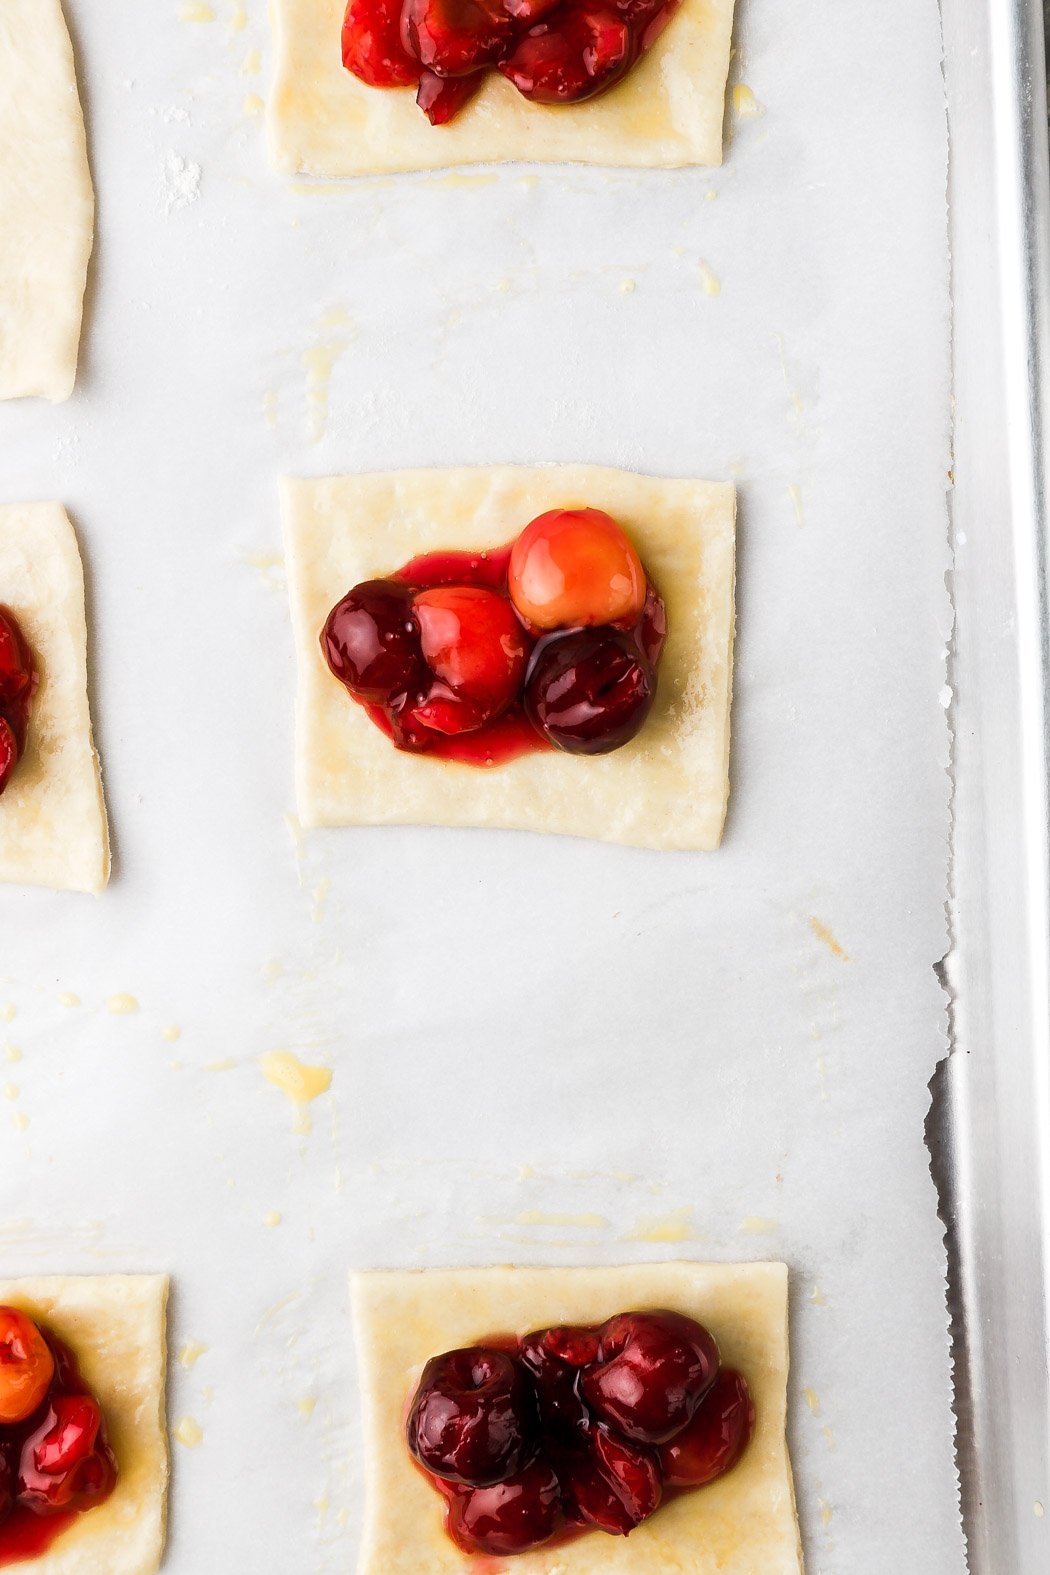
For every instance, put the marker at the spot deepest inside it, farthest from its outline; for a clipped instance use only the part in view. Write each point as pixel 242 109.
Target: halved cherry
pixel 647 18
pixel 712 1443
pixel 441 98
pixel 372 47
pixel 473 643
pixel 455 37
pixel 613 1485
pixel 573 567
pixel 509 1517
pixel 473 1417
pixel 26 1363
pixel 65 1463
pixel 653 1369
pixel 573 55
pixel 16 664
pixel 555 1357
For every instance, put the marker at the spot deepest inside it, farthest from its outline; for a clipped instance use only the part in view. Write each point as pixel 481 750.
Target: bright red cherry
pixel 712 1443
pixel 614 1485
pixel 16 665
pixel 440 98
pixel 65 1463
pixel 574 55
pixel 653 1370
pixel 26 1365
pixel 473 1417
pixel 372 47
pixel 573 567
pixel 8 752
pixel 589 692
pixel 509 1517
pixel 455 37
pixel 371 643
pixel 473 644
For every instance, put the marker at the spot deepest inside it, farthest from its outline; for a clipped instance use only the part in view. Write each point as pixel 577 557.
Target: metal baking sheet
pixel 783 322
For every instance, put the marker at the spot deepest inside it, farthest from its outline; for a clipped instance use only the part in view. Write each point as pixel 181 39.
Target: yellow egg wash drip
pixel 122 1005
pixel 298 1082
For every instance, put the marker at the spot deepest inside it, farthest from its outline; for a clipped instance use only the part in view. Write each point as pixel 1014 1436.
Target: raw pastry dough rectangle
pixel 667 113
pixel 53 829
pixel 116 1326
pixel 47 207
pixel 668 788
pixel 743 1524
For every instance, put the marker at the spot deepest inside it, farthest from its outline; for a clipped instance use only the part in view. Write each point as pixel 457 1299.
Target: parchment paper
pixel 543 1051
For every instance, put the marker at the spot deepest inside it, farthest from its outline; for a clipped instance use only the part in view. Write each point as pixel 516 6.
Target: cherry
pixel 440 98
pixel 8 752
pixel 589 692
pixel 651 628
pixel 510 1516
pixel 712 1443
pixel 476 648
pixel 614 1486
pixel 574 55
pixel 473 1417
pixel 16 665
pixel 554 1358
pixel 26 1363
pixel 455 37
pixel 372 47
pixel 646 18
pixel 65 1463
pixel 575 566
pixel 653 1370
pixel 371 642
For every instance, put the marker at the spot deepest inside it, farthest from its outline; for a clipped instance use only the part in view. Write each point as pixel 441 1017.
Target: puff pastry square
pixel 667 113
pixel 116 1325
pixel 743 1524
pixel 668 788
pixel 53 829
pixel 47 206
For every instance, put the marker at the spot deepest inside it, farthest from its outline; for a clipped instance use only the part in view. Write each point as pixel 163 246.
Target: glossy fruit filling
pixel 553 51
pixel 576 1429
pixel 553 641
pixel 17 684
pixel 55 1462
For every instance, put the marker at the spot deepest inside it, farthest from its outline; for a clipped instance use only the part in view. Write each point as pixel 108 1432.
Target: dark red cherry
pixel 574 55
pixel 651 628
pixel 653 1369
pixel 441 98
pixel 509 1517
pixel 589 691
pixel 372 47
pixel 455 37
pixel 614 1485
pixel 65 1463
pixel 554 1358
pixel 712 1443
pixel 473 1418
pixel 371 642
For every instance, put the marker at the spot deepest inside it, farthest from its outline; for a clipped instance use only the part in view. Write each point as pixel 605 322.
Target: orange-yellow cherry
pixel 575 567
pixel 26 1366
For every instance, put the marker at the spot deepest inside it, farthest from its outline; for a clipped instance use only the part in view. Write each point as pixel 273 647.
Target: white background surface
pixel 518 1028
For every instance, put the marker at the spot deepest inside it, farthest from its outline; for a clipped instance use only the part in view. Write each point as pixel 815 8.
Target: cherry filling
pixel 17 684
pixel 554 51
pixel 575 1429
pixel 55 1462
pixel 553 641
